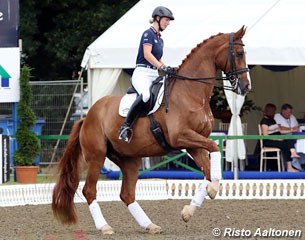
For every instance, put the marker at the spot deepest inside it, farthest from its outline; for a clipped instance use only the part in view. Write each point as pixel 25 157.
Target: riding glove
pixel 166 70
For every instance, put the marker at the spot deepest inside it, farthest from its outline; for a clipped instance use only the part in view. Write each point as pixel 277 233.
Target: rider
pixel 147 64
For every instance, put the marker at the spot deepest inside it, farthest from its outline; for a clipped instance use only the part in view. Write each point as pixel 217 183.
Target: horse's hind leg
pixel 95 158
pixel 130 169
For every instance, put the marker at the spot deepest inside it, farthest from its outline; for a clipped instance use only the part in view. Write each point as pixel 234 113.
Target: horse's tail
pixel 69 171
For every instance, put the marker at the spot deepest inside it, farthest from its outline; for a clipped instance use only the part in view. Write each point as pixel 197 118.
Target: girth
pixel 157 131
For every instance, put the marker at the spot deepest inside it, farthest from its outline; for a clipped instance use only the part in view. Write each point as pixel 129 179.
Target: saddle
pixel 154 93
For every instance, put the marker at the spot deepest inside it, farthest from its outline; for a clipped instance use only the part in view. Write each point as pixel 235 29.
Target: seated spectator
pixel 288 123
pixel 270 127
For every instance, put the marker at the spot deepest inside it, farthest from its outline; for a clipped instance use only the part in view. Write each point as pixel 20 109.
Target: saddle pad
pixel 128 99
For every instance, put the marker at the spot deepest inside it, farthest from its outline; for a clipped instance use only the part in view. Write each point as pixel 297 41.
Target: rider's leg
pixel 132 116
pixel 142 79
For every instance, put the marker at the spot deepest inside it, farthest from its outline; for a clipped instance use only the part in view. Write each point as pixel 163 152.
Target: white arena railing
pixel 34 194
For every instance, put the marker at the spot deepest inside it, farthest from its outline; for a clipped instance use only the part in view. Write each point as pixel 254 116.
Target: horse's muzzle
pixel 243 86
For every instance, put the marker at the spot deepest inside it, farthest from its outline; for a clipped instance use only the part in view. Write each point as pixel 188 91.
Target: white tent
pixel 274 36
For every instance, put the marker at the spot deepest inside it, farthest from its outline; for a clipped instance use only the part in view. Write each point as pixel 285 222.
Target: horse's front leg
pixel 130 176
pixel 199 147
pixel 212 171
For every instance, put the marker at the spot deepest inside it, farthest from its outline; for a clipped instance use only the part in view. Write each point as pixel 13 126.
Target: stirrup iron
pixel 126 134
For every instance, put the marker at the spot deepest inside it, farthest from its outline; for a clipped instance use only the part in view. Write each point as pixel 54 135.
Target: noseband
pixel 232 76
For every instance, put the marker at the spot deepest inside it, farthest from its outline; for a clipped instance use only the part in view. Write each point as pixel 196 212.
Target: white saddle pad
pixel 128 99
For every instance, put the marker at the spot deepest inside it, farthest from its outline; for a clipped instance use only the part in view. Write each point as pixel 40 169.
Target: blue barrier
pixel 7 128
pixel 172 174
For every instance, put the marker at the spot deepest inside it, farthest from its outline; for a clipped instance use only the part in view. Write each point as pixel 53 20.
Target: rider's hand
pixel 166 70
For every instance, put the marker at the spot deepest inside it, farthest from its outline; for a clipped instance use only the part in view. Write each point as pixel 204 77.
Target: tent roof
pixel 274 31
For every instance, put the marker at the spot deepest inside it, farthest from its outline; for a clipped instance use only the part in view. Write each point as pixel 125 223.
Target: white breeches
pixel 142 79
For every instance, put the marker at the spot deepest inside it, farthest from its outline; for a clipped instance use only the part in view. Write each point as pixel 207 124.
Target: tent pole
pixel 66 117
pixel 234 125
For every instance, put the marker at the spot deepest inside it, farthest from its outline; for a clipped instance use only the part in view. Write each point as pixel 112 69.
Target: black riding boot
pixel 125 132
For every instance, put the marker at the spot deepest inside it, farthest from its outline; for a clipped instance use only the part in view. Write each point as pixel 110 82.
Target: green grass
pixel 41 178
pixel 47 178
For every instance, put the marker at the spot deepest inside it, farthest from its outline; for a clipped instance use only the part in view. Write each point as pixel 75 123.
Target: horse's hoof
pixel 187 212
pixel 154 229
pixel 212 189
pixel 107 230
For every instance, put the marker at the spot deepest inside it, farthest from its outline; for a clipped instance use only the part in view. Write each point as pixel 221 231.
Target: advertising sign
pixel 9 74
pixel 9 23
pixel 4 159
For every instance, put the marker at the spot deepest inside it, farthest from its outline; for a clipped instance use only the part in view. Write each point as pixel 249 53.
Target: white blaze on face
pixel 249 78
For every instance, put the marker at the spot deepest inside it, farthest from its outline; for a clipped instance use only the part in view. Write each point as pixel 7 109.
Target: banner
pixel 9 74
pixel 9 23
pixel 4 159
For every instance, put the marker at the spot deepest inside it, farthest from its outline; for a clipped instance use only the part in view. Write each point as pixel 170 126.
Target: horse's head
pixel 232 60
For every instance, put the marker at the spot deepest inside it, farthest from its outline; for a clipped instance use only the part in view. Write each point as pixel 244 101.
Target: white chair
pixel 266 150
pixel 225 127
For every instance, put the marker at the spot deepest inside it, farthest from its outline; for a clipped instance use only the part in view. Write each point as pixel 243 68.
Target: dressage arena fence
pixel 34 194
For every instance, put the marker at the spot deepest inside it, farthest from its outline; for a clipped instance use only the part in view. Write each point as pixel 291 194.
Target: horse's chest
pixel 200 118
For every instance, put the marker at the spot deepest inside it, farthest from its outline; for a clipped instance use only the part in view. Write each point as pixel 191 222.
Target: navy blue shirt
pixel 150 36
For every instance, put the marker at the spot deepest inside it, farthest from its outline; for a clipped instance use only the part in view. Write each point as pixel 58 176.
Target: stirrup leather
pixel 125 134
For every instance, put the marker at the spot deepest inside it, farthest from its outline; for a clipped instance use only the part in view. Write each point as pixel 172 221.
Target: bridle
pixel 231 76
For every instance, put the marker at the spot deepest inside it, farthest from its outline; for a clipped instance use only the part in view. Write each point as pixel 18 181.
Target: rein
pixel 198 79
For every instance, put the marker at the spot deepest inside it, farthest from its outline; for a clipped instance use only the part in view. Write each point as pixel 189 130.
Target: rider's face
pixel 165 21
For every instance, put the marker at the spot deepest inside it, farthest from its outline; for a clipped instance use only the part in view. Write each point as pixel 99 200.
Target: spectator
pixel 270 127
pixel 287 121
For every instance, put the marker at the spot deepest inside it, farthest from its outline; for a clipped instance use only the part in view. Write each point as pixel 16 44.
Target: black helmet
pixel 163 12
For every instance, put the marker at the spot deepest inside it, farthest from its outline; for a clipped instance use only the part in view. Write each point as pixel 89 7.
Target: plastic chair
pixel 266 150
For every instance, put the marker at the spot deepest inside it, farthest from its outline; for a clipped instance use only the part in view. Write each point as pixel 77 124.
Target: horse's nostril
pixel 247 88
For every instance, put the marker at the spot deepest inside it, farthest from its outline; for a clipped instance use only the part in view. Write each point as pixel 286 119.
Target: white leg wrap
pixel 216 174
pixel 97 215
pixel 138 213
pixel 200 194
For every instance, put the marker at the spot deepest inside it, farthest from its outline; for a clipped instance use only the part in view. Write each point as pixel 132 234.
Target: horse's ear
pixel 240 33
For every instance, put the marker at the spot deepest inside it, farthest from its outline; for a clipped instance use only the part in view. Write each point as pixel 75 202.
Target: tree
pixel 28 143
pixel 58 32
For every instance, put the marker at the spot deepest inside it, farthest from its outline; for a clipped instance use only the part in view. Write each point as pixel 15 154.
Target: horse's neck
pixel 198 65
pixel 201 62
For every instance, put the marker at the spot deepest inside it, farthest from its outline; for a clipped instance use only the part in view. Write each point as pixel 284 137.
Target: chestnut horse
pixel 186 125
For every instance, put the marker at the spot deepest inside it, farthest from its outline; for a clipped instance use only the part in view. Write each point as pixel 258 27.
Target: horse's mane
pixel 195 49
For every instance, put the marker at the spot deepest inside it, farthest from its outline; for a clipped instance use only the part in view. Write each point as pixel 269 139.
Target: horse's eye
pixel 240 54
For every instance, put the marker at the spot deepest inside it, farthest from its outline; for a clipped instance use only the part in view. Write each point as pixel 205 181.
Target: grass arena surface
pixel 33 222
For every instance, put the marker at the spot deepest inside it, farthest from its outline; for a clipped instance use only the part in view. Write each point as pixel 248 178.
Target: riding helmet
pixel 163 12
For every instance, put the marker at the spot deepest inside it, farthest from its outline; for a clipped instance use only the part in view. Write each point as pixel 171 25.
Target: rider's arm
pixel 150 57
pixel 265 129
